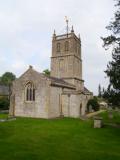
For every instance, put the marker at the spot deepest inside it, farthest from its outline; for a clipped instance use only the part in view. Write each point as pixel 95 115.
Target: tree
pixel 113 67
pixel 103 91
pixel 94 104
pixel 4 103
pixel 7 79
pixel 46 72
pixel 99 91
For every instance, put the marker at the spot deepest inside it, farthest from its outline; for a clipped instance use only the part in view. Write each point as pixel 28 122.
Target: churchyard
pixel 59 139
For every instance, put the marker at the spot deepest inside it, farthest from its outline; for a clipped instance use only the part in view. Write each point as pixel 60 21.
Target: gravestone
pixel 98 122
pixel 110 114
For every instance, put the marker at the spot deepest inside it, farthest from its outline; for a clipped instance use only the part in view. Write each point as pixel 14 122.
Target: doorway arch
pixel 80 109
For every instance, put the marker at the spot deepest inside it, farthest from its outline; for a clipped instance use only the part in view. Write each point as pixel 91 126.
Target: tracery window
pixel 29 92
pixel 58 47
pixel 66 46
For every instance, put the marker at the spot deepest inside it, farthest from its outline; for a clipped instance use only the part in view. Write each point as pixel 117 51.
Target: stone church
pixel 62 93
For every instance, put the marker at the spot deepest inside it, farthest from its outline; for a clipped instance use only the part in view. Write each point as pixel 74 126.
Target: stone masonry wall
pixel 37 108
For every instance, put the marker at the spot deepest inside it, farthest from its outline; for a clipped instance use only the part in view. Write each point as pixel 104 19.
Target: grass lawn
pixel 60 139
pixel 115 119
pixel 2 116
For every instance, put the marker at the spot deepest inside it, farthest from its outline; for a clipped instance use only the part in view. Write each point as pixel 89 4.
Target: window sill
pixel 29 102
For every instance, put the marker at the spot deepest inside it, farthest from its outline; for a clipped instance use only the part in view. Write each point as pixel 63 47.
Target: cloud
pixel 26 33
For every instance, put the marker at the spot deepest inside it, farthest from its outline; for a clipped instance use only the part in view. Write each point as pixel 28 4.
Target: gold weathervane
pixel 67 21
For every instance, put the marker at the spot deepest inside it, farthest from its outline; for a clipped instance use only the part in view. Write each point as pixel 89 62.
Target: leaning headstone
pixel 98 122
pixel 110 115
pixel 117 109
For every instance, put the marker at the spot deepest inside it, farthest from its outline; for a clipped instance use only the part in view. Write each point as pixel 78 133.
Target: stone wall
pixel 74 105
pixel 37 108
pixel 55 102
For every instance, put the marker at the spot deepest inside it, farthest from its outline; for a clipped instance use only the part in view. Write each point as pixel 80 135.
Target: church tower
pixel 66 62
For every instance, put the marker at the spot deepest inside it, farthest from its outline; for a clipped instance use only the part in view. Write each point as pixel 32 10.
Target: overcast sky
pixel 26 28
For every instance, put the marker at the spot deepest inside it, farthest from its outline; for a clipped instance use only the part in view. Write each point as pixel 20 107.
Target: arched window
pixel 29 92
pixel 66 46
pixel 58 47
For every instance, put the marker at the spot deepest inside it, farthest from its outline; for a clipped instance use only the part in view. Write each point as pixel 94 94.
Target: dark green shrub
pixel 4 103
pixel 94 104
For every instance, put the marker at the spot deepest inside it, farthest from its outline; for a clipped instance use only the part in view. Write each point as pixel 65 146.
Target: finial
pixel 54 35
pixel 54 32
pixel 30 67
pixel 72 30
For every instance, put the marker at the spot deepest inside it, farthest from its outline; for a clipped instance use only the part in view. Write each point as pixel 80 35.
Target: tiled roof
pixel 87 91
pixel 60 81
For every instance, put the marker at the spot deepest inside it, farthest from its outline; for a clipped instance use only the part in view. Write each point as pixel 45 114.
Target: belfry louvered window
pixel 58 47
pixel 29 92
pixel 66 46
